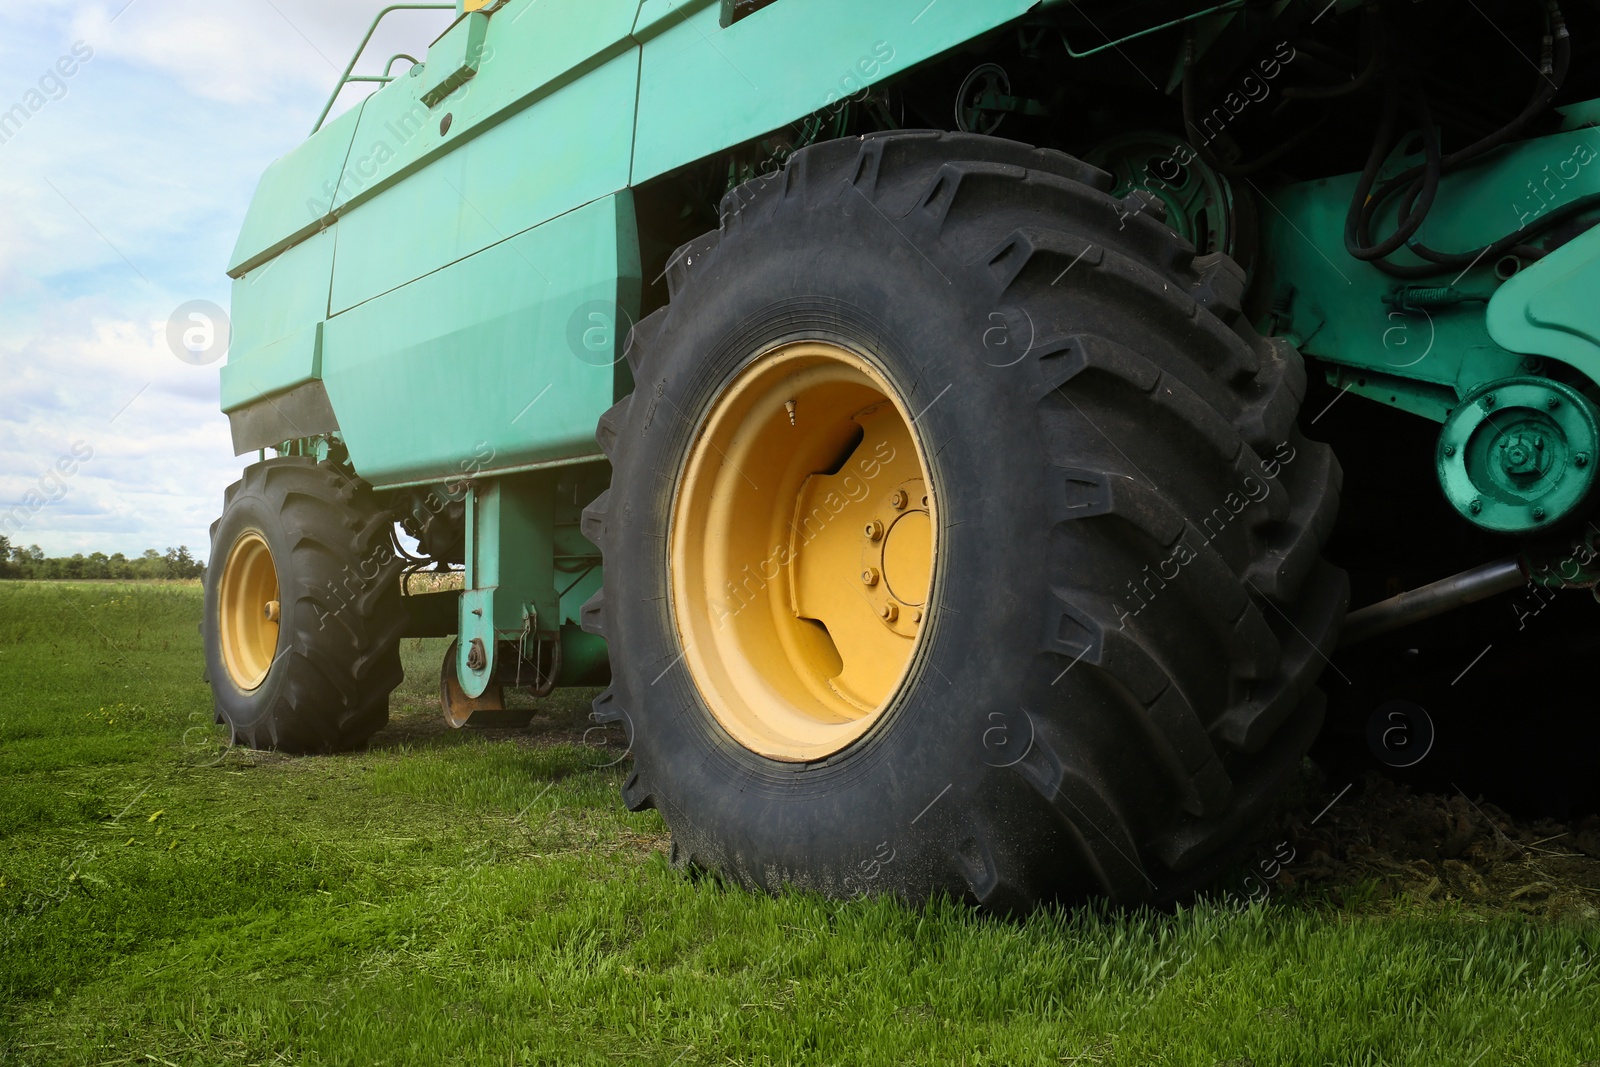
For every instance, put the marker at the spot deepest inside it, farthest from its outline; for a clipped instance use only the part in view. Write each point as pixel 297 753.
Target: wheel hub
pixel 248 611
pixel 1515 456
pixel 802 551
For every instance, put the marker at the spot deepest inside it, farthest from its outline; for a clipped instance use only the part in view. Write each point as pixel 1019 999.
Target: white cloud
pixel 123 197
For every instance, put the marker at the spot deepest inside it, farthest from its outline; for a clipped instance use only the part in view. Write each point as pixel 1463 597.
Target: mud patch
pixel 1384 847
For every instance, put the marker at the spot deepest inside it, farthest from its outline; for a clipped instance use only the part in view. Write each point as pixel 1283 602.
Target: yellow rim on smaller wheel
pixel 802 551
pixel 248 611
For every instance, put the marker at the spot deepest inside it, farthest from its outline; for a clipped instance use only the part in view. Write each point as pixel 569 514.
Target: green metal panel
pixel 1553 307
pixel 453 58
pixel 704 87
pixel 531 49
pixel 277 311
pixel 510 579
pixel 569 149
pixel 1334 307
pixel 294 196
pixel 487 357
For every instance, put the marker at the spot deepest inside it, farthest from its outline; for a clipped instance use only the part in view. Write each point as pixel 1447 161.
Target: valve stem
pixel 788 405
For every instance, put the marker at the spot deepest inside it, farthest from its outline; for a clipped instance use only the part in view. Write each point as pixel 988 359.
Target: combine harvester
pixel 899 405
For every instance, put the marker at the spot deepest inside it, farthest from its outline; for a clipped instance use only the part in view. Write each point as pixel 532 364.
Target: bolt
pixel 899 500
pixel 1488 400
pixel 477 657
pixel 1475 507
pixel 1449 450
pixel 1538 514
pixel 1553 402
pixel 874 530
pixel 272 611
pixel 1581 459
pixel 869 576
pixel 890 612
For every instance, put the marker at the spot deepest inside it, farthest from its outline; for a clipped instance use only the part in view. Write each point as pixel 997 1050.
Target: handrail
pixel 346 78
pixel 1229 5
pixel 387 67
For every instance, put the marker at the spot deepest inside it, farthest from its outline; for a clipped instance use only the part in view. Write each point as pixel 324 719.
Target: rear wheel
pixel 960 537
pixel 303 615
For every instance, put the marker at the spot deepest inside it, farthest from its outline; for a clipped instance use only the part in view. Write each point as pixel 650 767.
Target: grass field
pixel 484 898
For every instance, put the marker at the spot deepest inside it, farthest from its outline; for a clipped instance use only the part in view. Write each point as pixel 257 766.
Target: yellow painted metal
pixel 802 551
pixel 248 611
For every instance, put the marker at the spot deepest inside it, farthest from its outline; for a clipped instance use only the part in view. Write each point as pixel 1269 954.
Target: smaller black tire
pixel 322 683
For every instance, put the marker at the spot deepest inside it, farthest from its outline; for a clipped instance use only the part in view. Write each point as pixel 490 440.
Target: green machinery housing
pixel 435 294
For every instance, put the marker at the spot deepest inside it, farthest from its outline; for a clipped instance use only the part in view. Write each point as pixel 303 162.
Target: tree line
pixel 31 562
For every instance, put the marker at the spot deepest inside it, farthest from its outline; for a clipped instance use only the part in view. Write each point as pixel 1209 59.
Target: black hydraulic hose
pixel 1548 86
pixel 1372 30
pixel 1358 217
pixel 1443 261
pixel 1420 183
pixel 1199 143
pixel 1556 63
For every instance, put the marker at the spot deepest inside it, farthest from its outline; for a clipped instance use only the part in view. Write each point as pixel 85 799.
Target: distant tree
pixel 151 565
pixel 182 565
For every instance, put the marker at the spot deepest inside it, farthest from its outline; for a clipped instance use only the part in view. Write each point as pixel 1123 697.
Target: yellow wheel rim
pixel 802 550
pixel 248 611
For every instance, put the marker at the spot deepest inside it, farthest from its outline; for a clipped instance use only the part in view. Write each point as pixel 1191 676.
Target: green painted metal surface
pixel 454 57
pixel 571 148
pixel 1551 309
pixel 1346 313
pixel 1519 455
pixel 704 86
pixel 278 310
pixel 294 197
pixel 510 578
pixel 485 362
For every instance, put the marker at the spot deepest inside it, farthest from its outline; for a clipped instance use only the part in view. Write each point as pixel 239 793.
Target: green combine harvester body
pixel 436 292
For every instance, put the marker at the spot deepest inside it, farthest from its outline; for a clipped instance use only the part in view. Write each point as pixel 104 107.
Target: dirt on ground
pixel 1380 842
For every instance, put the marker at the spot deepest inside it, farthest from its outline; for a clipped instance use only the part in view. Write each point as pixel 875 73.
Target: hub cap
pixel 802 551
pixel 248 611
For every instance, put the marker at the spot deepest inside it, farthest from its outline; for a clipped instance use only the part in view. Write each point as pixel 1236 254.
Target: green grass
pixel 470 898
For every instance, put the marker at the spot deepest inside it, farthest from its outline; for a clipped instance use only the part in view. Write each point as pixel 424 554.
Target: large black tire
pixel 1130 605
pixel 341 620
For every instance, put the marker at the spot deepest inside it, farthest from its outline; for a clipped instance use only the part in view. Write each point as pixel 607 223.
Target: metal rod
pixel 1231 5
pixel 1436 598
pixel 345 79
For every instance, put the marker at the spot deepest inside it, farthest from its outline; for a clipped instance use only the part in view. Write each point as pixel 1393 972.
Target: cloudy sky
pixel 123 191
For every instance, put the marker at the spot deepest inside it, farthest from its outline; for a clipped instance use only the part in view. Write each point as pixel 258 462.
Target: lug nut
pixel 1538 514
pixel 898 501
pixel 890 612
pixel 272 610
pixel 1581 459
pixel 1475 507
pixel 1449 450
pixel 869 576
pixel 1552 403
pixel 874 530
pixel 1488 400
